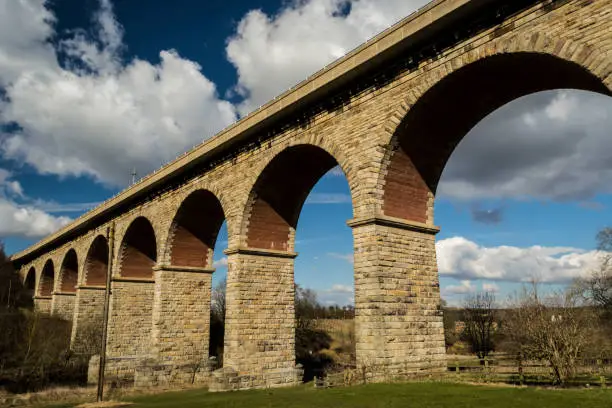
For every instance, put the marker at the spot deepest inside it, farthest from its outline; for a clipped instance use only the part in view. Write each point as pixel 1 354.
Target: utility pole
pixel 110 234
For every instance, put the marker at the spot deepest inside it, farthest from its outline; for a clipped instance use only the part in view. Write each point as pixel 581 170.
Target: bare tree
pixel 217 321
pixel 599 285
pixel 479 317
pixel 551 328
pixel 306 305
pixel 218 300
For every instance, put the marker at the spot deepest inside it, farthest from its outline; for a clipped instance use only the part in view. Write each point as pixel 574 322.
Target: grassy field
pixel 417 395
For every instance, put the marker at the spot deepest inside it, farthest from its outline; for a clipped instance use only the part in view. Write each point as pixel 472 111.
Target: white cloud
pixel 345 257
pixel 27 221
pixel 328 198
pixel 95 116
pixel 552 145
pixel 463 288
pixel 490 287
pixel 23 220
pixel 220 263
pixel 336 172
pixel 461 258
pixel 274 53
pixel 337 294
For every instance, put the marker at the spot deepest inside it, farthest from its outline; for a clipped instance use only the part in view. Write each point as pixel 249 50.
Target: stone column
pixel 42 304
pixel 260 318
pixel 129 325
pixel 87 320
pixel 62 305
pixel 181 314
pixel 398 320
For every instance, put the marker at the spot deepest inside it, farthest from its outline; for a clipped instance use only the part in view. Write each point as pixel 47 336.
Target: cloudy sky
pixel 90 89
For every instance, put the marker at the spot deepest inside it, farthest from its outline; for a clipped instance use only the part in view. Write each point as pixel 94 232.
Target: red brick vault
pixel 389 114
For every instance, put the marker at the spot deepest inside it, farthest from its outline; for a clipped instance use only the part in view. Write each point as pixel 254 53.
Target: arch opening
pixel 47 279
pixel 96 262
pixel 138 250
pixel 218 297
pixel 279 194
pixel 305 182
pixel 69 272
pixel 445 113
pixel 30 280
pixel 195 229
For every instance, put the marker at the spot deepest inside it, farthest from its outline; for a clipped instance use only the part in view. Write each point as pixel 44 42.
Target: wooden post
pixel 110 233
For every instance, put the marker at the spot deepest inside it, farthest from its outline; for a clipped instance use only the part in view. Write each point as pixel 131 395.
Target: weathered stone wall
pixel 398 322
pixel 62 305
pixel 129 326
pixel 88 315
pixel 42 304
pixel 181 315
pixel 260 316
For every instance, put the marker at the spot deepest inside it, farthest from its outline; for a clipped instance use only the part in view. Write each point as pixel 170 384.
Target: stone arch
pixel 138 251
pixel 277 196
pixel 69 272
pixel 437 115
pixel 30 280
pixel 96 262
pixel 194 229
pixel 47 279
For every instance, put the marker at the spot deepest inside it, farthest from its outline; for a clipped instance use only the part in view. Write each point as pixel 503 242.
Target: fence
pixel 505 368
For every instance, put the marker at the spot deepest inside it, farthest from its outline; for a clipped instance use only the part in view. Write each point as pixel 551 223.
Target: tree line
pixel 559 328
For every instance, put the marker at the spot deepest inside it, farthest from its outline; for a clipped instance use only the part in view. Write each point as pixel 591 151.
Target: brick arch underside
pixel 96 263
pixel 47 278
pixel 444 114
pixel 195 229
pixel 69 272
pixel 138 250
pixel 280 192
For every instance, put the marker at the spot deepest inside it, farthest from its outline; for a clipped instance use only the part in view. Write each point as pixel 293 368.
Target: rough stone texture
pixel 398 322
pixel 129 326
pixel 88 315
pixel 391 138
pixel 181 315
pixel 42 304
pixel 260 317
pixel 62 305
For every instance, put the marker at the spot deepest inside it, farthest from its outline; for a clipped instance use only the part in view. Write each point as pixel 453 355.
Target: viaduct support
pixel 87 320
pixel 42 304
pixel 180 330
pixel 398 324
pixel 62 305
pixel 260 319
pixel 129 326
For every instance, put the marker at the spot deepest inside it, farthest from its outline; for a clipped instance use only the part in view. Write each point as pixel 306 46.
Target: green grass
pixel 417 395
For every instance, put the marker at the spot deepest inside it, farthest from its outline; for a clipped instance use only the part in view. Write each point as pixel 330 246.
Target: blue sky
pixel 522 196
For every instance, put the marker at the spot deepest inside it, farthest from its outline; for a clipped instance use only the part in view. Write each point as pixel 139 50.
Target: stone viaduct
pixel 389 114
